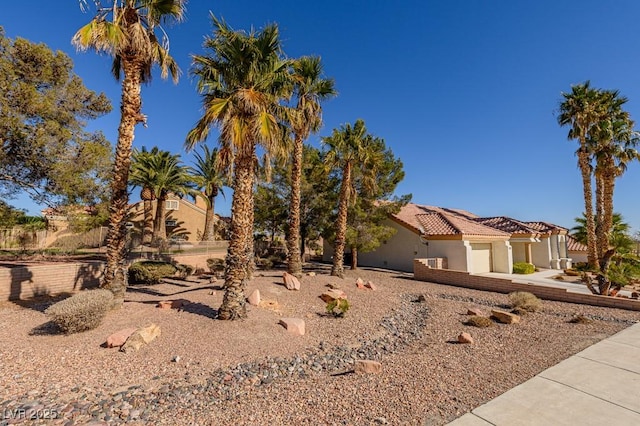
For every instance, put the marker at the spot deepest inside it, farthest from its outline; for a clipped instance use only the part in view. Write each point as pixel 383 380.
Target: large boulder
pixel 293 325
pixel 142 336
pixel 290 281
pixel 505 317
pixel 254 298
pixel 332 294
pixel 366 366
pixel 118 338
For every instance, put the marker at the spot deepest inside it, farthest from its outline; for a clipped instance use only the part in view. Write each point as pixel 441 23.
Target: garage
pixel 480 258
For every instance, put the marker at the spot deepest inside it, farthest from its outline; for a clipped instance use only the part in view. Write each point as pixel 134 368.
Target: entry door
pixel 480 257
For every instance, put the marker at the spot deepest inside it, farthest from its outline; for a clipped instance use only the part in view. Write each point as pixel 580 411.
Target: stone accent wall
pixel 30 280
pixel 422 272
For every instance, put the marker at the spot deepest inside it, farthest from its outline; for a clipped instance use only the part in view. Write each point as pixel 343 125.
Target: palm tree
pixel 582 110
pixel 349 147
pixel 243 80
pixel 210 181
pixel 171 177
pixel 310 90
pixel 126 31
pixel 142 174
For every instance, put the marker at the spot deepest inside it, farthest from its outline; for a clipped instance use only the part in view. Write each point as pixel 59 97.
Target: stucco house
pixel 459 240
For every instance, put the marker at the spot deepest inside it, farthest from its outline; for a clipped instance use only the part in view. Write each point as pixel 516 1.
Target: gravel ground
pixel 253 372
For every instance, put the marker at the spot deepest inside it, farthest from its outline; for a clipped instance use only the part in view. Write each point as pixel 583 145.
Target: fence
pixel 23 239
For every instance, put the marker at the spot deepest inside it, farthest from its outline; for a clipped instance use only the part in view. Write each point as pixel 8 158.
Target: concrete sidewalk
pixel 598 386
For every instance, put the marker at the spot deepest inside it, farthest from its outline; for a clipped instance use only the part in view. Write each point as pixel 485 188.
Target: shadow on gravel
pixel 201 309
pixel 153 292
pixel 49 328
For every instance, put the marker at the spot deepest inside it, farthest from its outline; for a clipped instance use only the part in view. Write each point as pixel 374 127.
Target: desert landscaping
pixel 200 370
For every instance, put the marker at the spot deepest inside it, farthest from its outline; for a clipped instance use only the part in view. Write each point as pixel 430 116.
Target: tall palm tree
pixel 171 177
pixel 348 147
pixel 243 80
pixel 582 111
pixel 142 174
pixel 126 30
pixel 310 90
pixel 210 181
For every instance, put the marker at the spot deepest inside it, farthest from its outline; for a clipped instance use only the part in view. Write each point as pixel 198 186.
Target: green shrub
pixel 183 271
pixel 524 302
pixel 82 311
pixel 523 268
pixel 264 263
pixel 150 272
pixel 478 321
pixel 338 307
pixel 216 265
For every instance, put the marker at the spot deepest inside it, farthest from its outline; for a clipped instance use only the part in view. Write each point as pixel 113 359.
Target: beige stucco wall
pixel 519 252
pixel 541 253
pixel 189 217
pixel 578 256
pixel 457 253
pixel 502 257
pixel 399 251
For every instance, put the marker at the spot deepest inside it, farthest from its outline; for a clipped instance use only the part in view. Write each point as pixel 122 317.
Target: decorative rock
pixel 359 283
pixel 254 298
pixel 175 358
pixel 290 281
pixel 365 366
pixel 173 304
pixel 505 317
pixel 118 338
pixel 142 336
pixel 311 274
pixel 474 311
pixel 421 299
pixel 333 294
pixel 370 286
pixel 333 286
pixel 293 325
pixel 465 338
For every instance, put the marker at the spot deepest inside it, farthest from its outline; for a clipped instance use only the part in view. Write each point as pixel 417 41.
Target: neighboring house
pixel 449 237
pixel 184 219
pixel 539 243
pixel 576 250
pixel 459 240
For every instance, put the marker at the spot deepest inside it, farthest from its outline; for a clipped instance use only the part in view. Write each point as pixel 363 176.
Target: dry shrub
pixel 580 319
pixel 478 321
pixel 81 312
pixel 524 302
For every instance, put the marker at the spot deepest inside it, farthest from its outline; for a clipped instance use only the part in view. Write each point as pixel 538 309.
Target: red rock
pixel 293 325
pixel 290 281
pixel 505 317
pixel 254 298
pixel 475 311
pixel 465 338
pixel 173 304
pixel 370 286
pixel 333 294
pixel 365 366
pixel 360 283
pixel 165 304
pixel 118 338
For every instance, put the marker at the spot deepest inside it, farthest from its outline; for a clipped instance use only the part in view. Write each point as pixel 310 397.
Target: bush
pixel 82 311
pixel 150 272
pixel 524 302
pixel 216 265
pixel 478 321
pixel 338 307
pixel 523 268
pixel 183 271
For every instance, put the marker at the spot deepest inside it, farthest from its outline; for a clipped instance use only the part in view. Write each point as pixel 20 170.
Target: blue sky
pixel 464 92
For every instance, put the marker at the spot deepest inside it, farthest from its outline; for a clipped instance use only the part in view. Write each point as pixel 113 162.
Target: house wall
pixel 519 252
pixel 502 257
pixel 578 256
pixel 189 218
pixel 422 272
pixel 457 252
pixel 541 253
pixel 398 252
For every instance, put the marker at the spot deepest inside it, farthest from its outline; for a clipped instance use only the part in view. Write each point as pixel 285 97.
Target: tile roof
pixel 575 245
pixel 507 224
pixel 443 223
pixel 544 227
pixel 408 214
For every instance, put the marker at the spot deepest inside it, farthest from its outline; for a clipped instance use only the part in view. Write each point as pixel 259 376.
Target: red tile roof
pixel 507 224
pixel 544 227
pixel 441 223
pixel 575 245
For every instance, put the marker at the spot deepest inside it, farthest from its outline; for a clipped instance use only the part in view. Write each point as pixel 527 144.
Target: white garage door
pixel 480 258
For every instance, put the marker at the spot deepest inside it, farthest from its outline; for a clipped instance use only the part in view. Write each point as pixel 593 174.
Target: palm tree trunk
pixel 115 272
pixel 585 169
pixel 147 226
pixel 354 257
pixel 294 261
pixel 606 223
pixel 209 221
pixel 159 228
pixel 235 277
pixel 337 269
pixel 250 243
